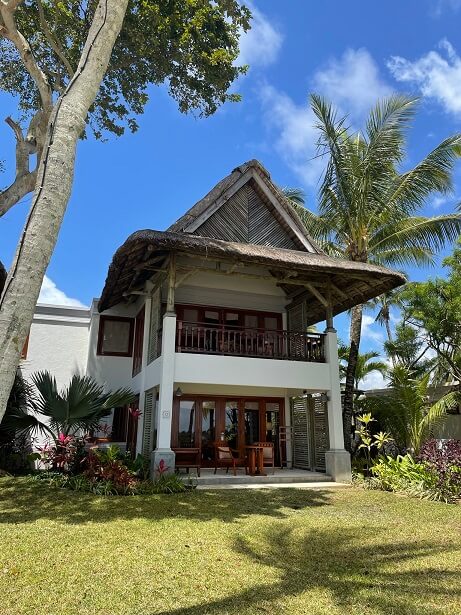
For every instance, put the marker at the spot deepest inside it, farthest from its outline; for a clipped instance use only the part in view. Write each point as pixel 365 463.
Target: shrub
pixel 444 459
pixel 15 454
pixel 108 471
pixel 104 466
pixel 405 474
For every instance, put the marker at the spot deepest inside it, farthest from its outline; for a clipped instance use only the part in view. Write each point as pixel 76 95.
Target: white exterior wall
pixel 58 342
pixel 252 372
pixel 113 372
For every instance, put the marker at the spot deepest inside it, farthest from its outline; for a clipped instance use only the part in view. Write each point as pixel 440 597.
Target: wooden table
pixel 255 460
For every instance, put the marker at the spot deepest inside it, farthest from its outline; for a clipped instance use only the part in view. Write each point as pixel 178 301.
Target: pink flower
pixel 135 413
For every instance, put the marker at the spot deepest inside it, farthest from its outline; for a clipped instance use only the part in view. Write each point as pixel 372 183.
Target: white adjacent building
pixel 208 322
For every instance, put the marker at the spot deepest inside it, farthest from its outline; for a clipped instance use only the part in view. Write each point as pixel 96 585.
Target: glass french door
pixel 199 421
pixel 208 431
pixel 251 422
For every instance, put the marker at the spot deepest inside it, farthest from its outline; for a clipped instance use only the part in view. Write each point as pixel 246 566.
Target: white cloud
pixel 441 5
pixel 438 201
pixel 296 135
pixel 374 380
pixel 51 294
pixel 437 75
pixel 371 330
pixel 261 45
pixel 352 83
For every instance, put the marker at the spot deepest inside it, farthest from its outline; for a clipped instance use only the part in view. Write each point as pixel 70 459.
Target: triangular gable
pixel 247 207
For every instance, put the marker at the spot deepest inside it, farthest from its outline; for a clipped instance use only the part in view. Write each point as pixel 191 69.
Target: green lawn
pixel 226 552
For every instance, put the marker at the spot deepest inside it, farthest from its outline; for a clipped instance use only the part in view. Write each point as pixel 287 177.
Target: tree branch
pixel 33 143
pixel 10 31
pixel 54 42
pixel 19 188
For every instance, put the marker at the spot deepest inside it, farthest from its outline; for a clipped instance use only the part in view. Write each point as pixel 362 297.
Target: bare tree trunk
pixel 355 333
pixel 52 192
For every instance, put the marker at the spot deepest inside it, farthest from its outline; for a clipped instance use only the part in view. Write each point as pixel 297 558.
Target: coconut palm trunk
pixel 348 407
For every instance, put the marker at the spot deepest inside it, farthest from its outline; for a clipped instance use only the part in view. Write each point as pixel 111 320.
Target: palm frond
pixel 296 196
pixel 426 233
pixel 433 174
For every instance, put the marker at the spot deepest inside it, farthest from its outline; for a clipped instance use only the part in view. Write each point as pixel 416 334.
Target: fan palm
pixel 79 406
pixel 368 208
pixel 406 412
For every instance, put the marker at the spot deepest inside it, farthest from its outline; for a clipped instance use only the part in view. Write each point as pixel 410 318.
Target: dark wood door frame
pixel 220 404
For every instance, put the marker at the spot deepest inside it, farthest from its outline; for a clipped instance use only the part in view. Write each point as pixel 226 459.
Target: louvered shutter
pixel 148 423
pixel 153 350
pixel 301 435
pixel 297 328
pixel 321 435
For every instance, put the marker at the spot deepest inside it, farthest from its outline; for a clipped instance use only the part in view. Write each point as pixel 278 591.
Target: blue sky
pixel 353 52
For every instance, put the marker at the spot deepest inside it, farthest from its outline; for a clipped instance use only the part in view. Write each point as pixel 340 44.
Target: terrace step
pixel 281 477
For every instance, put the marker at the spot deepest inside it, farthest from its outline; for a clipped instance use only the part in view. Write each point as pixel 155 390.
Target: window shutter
pixel 296 325
pixel 153 350
pixel 297 318
pixel 321 436
pixel 148 423
pixel 302 452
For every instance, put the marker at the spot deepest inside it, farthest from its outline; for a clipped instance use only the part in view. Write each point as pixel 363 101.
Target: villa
pixel 211 323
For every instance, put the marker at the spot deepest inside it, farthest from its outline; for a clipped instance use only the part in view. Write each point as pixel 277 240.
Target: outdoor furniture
pixel 187 458
pixel 268 454
pixel 255 454
pixel 225 457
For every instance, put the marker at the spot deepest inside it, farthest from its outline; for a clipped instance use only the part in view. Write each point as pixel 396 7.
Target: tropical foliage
pixel 368 208
pixel 366 364
pixel 79 406
pixel 433 309
pixel 406 411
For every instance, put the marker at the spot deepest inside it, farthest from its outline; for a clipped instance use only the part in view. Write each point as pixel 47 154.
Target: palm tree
pixel 407 412
pixel 365 364
pixel 368 208
pixel 79 406
pixel 384 303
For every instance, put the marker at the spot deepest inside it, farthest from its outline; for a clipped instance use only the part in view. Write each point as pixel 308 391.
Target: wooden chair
pixel 268 454
pixel 226 457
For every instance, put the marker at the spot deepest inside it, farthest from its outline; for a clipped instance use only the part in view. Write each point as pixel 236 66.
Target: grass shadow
pixel 359 574
pixel 23 501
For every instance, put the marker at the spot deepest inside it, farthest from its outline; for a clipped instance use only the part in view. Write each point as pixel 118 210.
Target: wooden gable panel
pixel 245 218
pixel 263 227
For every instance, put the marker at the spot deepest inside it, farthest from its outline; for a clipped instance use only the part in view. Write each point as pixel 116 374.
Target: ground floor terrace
pixel 238 432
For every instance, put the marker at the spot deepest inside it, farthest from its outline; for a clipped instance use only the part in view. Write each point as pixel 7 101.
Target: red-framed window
pixel 138 342
pixel 115 337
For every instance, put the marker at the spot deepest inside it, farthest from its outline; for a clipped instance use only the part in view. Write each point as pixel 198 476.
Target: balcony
pixel 204 338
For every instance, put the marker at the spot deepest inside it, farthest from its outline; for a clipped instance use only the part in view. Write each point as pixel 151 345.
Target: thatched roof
pixel 256 174
pixel 352 283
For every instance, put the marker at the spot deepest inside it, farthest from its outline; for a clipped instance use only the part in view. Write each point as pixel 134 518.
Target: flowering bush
pixel 66 454
pixel 105 466
pixel 443 458
pixel 435 474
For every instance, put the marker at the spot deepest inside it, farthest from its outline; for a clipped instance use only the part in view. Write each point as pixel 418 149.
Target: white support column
pixel 337 459
pixel 163 451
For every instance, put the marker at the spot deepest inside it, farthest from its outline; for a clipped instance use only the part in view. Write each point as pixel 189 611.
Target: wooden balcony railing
pixel 235 341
